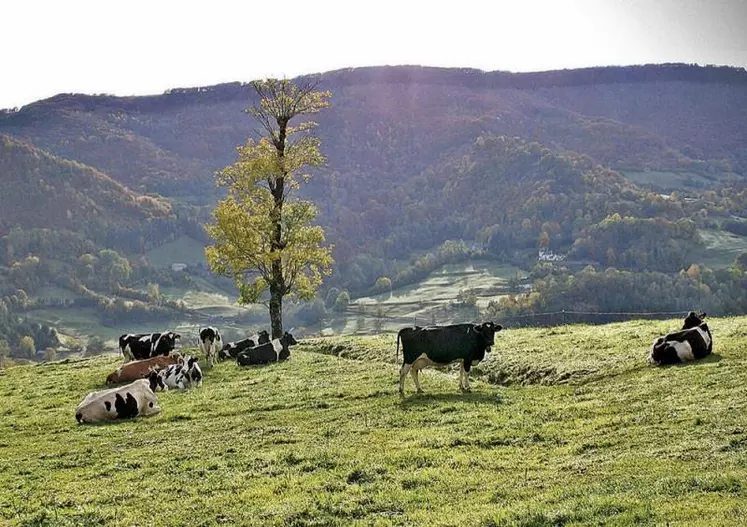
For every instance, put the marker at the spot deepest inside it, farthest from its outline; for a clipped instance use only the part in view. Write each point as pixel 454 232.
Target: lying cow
pixel 182 375
pixel 234 349
pixel 211 343
pixel 442 345
pixel 140 369
pixel 126 402
pixel 693 342
pixel 274 351
pixel 146 345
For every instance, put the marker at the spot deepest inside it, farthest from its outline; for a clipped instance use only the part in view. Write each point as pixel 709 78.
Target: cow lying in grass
pixel 693 342
pixel 274 351
pixel 442 345
pixel 126 402
pixel 182 375
pixel 140 369
pixel 234 349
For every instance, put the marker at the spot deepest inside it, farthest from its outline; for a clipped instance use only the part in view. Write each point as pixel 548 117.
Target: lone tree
pixel 264 238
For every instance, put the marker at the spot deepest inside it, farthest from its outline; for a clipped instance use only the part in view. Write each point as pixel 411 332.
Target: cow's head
pixel 169 340
pixel 263 337
pixel 693 320
pixel 194 372
pixel 149 405
pixel 113 377
pixel 487 331
pixel 156 381
pixel 287 340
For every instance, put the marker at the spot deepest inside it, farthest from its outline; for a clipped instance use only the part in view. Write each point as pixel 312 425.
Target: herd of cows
pixel 150 365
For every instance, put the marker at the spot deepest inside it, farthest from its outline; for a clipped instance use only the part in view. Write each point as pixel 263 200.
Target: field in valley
pixel 565 426
pixel 721 248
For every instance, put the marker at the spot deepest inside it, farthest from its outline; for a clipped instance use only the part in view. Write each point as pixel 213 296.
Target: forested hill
pixel 394 122
pixel 417 156
pixel 43 191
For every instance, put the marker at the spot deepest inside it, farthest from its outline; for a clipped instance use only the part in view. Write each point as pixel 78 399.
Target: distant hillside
pixel 417 156
pixel 393 122
pixel 43 191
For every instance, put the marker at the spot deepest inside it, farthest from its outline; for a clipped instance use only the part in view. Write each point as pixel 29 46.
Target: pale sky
pixel 139 47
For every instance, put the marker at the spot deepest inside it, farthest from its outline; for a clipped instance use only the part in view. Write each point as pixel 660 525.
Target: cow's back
pixel 441 344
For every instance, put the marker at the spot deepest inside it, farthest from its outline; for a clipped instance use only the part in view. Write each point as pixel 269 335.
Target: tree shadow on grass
pixel 425 399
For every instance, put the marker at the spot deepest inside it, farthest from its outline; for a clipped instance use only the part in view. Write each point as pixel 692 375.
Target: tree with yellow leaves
pixel 264 237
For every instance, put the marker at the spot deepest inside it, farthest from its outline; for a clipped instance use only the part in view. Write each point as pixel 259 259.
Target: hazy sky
pixel 142 47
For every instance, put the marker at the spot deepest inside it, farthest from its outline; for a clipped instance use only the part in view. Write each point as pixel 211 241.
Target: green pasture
pixel 721 248
pixel 565 426
pixel 182 250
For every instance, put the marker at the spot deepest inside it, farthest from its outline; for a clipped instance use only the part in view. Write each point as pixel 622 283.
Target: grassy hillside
pixel 596 436
pixel 182 250
pixel 721 248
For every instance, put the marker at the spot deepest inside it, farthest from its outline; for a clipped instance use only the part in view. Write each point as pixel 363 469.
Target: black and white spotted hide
pixel 182 376
pixel 211 344
pixel 693 342
pixel 232 350
pixel 126 402
pixel 275 351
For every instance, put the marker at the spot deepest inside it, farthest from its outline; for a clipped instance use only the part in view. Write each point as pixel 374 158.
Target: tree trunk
pixel 277 284
pixel 276 310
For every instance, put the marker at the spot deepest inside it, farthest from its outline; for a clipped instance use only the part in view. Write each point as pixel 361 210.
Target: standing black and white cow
pixel 442 345
pixel 126 402
pixel 693 342
pixel 182 376
pixel 233 349
pixel 146 345
pixel 274 351
pixel 211 344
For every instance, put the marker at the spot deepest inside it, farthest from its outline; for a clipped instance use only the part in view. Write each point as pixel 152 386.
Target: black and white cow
pixel 233 349
pixel 273 351
pixel 146 345
pixel 442 345
pixel 693 342
pixel 211 344
pixel 182 376
pixel 126 402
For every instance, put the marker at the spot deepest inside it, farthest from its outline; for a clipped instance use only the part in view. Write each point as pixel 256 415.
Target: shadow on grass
pixel 422 399
pixel 710 359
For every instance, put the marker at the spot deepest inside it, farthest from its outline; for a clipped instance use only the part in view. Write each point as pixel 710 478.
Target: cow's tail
pixel 399 336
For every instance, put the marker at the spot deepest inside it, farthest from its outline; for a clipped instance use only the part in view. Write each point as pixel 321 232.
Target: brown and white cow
pixel 126 402
pixel 140 369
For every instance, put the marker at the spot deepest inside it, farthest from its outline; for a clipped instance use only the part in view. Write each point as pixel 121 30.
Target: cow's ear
pixel 177 336
pixel 702 315
pixel 498 327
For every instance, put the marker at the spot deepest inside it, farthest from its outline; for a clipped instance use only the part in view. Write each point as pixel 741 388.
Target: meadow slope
pixel 572 429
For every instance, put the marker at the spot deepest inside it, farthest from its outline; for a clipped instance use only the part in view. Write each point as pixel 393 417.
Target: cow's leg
pixel 414 372
pixel 467 387
pixel 402 374
pixel 127 354
pixel 464 378
pixel 210 355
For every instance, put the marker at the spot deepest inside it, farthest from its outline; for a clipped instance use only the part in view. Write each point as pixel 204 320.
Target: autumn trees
pixel 264 236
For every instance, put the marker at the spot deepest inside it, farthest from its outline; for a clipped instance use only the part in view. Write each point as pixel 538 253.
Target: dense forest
pixel 619 168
